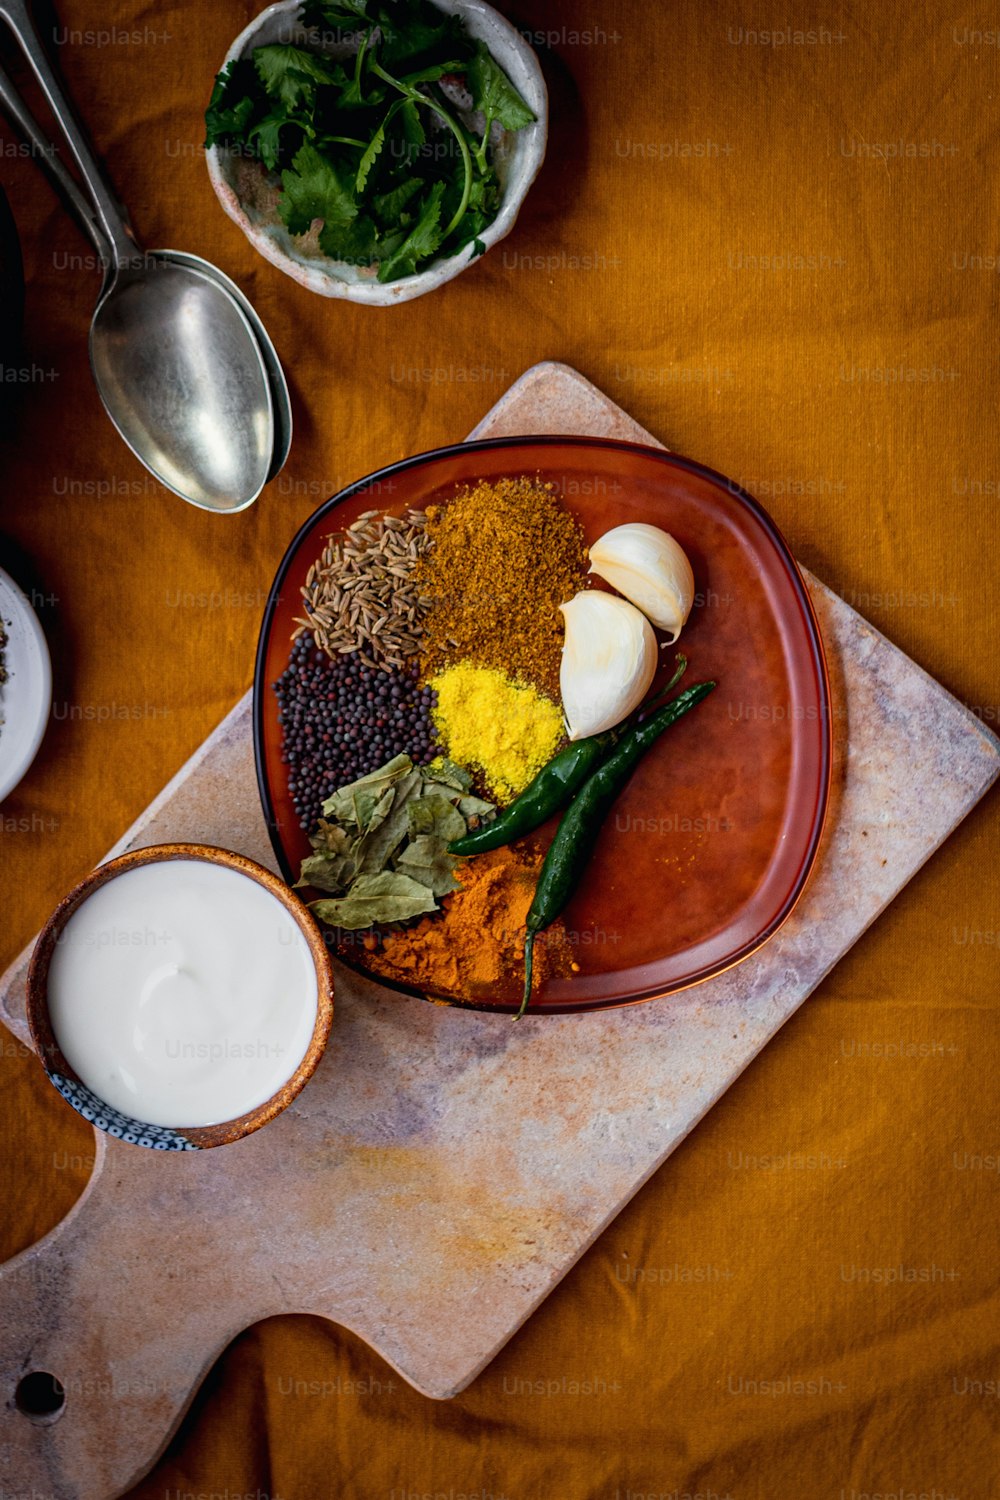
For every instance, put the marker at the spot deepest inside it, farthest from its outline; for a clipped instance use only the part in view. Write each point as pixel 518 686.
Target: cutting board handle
pixel 94 1385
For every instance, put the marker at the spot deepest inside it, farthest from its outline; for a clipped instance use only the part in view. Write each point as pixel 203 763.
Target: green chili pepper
pixel 577 833
pixel 556 784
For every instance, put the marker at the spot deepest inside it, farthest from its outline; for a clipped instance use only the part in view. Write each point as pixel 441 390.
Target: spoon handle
pixel 45 153
pixel 110 215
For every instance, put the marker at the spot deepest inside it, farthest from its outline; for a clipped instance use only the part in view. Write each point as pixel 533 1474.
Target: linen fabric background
pixel 769 232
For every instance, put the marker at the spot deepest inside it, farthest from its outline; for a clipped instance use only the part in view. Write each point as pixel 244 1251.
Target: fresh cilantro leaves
pixel 351 15
pixel 421 243
pixel 369 144
pixel 231 107
pixel 313 189
pixel 493 93
pixel 290 74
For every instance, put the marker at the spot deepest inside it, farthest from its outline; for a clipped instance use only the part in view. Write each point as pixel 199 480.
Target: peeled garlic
pixel 647 566
pixel 608 662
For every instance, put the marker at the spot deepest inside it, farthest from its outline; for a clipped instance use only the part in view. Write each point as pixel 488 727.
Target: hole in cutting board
pixel 40 1396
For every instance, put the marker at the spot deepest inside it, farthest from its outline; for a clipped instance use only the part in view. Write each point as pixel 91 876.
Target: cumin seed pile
pixel 361 594
pixel 500 559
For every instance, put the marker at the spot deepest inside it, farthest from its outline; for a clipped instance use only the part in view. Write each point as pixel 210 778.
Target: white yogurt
pixel 182 993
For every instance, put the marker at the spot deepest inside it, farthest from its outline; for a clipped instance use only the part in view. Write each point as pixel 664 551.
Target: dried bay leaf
pixel 475 807
pixel 331 873
pixel 427 860
pixel 381 845
pixel 356 803
pixel 330 838
pixel 434 814
pixel 386 897
pixel 454 776
pixel 381 852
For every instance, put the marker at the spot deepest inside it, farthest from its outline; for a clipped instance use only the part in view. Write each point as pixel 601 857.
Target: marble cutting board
pixel 385 1198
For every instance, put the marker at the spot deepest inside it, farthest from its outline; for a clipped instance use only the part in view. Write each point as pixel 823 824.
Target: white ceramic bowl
pixel 517 157
pixel 26 696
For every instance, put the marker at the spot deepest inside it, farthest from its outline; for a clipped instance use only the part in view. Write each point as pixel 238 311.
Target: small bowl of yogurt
pixel 180 997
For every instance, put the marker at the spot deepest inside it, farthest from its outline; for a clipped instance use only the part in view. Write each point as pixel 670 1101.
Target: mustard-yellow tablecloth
pixel 769 231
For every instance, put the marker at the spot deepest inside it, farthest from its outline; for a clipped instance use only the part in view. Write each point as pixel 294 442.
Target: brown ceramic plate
pixel 712 841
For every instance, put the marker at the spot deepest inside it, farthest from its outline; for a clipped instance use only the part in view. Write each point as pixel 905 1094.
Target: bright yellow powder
pixel 486 721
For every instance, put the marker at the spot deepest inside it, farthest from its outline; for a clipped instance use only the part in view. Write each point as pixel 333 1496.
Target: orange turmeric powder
pixel 477 942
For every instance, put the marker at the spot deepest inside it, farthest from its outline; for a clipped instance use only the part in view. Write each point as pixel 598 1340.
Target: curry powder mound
pixel 501 559
pixel 505 731
pixel 477 942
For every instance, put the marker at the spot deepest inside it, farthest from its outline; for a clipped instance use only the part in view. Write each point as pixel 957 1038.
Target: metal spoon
pixel 280 399
pixel 85 214
pixel 177 363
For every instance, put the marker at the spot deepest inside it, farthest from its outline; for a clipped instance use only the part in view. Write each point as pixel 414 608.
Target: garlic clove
pixel 649 568
pixel 608 661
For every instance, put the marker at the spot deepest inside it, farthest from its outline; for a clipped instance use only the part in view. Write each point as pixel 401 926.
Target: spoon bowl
pixel 183 380
pixel 278 385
